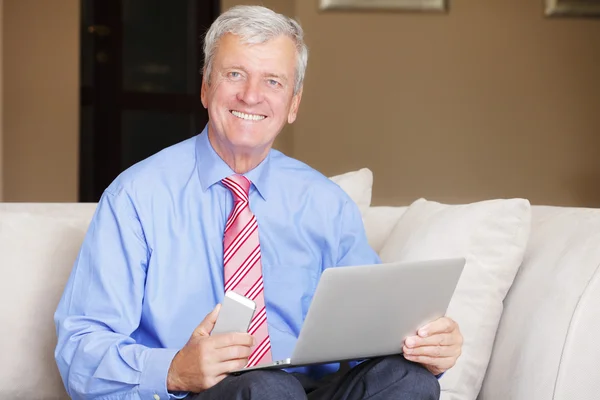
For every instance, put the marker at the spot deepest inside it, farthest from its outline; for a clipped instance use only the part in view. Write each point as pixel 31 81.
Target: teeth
pixel 250 117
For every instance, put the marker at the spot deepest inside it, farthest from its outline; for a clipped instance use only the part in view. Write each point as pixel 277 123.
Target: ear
pixel 294 107
pixel 203 90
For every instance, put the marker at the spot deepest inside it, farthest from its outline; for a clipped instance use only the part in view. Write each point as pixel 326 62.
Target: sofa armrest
pixel 579 373
pixel 546 346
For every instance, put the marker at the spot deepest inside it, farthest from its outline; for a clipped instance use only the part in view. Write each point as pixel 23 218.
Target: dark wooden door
pixel 141 64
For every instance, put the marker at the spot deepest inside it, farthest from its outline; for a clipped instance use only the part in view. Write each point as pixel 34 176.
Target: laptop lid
pixel 366 311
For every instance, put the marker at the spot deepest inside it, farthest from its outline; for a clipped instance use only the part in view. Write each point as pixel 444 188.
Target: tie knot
pixel 239 186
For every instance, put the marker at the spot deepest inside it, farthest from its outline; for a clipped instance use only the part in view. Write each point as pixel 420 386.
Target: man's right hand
pixel 205 360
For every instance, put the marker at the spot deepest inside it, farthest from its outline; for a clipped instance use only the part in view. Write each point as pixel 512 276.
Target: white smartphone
pixel 235 315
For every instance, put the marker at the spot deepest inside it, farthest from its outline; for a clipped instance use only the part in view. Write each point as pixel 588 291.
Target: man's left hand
pixel 436 346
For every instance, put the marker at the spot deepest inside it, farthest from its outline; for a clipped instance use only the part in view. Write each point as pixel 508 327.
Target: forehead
pixel 278 53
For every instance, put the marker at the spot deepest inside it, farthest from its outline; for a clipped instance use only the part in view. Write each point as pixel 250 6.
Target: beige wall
pixel 41 100
pixel 491 100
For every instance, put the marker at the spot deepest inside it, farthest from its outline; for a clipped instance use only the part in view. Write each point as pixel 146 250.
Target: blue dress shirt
pixel 151 265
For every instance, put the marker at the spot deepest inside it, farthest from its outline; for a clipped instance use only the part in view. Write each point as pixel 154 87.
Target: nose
pixel 251 92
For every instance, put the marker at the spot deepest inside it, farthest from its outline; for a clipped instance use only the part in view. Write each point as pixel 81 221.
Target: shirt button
pixel 156 397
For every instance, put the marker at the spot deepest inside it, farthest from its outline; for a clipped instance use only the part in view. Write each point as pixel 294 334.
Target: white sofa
pixel 547 345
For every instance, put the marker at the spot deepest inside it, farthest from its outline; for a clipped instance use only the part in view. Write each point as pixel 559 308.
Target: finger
pixel 208 323
pixel 432 351
pixel 233 339
pixel 441 363
pixel 441 339
pixel 441 325
pixel 227 367
pixel 232 353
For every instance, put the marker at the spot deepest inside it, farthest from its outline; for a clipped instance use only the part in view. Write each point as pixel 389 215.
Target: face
pixel 251 93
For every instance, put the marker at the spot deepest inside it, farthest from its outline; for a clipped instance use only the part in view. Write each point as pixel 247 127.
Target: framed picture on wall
pixel 578 8
pixel 375 5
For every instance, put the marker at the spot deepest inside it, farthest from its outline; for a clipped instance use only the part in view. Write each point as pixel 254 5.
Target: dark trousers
pixel 382 378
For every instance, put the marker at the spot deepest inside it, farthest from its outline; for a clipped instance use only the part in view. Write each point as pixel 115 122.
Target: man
pixel 223 211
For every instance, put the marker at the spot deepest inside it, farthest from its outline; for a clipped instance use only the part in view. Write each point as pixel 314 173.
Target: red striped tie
pixel 242 265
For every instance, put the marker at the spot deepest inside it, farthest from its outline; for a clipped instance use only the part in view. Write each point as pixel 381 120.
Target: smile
pixel 248 117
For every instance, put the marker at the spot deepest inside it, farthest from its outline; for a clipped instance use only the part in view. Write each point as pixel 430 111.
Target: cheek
pixel 218 97
pixel 221 94
pixel 280 107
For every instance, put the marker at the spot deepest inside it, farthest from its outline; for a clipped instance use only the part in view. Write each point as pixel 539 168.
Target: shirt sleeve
pixel 354 248
pixel 101 307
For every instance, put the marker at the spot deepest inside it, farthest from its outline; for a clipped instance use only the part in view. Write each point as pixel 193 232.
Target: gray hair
pixel 256 24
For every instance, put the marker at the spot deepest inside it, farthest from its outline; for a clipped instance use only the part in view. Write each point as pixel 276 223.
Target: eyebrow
pixel 237 67
pixel 266 75
pixel 280 77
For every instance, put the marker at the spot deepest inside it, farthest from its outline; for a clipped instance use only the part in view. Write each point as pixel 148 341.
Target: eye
pixel 234 74
pixel 273 82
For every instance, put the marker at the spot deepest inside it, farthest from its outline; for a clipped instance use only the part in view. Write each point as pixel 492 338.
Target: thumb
pixel 208 323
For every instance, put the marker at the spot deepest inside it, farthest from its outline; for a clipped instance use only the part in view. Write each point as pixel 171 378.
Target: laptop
pixel 362 312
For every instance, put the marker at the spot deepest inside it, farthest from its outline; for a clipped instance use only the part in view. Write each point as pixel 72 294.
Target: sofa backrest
pixel 379 222
pixel 38 245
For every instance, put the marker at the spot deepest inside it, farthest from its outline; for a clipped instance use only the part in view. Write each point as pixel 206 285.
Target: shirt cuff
pixel 153 383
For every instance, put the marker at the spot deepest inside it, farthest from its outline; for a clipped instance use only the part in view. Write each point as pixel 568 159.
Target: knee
pixel 273 384
pixel 427 383
pixel 409 377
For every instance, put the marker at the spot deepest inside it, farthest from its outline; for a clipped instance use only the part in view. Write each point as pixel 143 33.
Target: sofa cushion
pixel 358 185
pixel 37 253
pixel 492 236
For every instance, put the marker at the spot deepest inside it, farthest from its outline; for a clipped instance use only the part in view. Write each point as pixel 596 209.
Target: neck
pixel 239 161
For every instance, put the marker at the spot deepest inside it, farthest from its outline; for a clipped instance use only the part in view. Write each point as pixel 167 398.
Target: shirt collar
pixel 212 169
